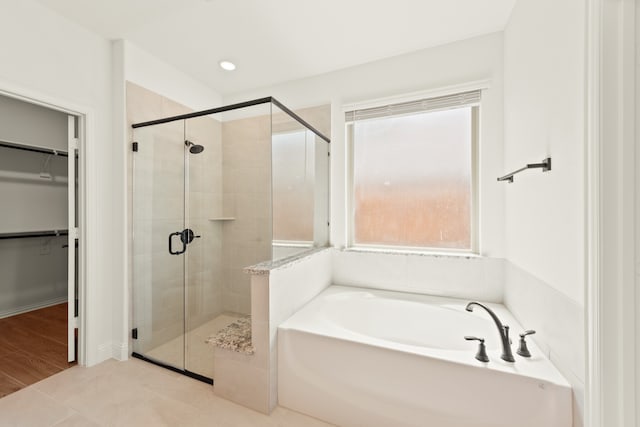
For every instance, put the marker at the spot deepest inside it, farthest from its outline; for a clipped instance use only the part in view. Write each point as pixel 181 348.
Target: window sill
pixel 407 251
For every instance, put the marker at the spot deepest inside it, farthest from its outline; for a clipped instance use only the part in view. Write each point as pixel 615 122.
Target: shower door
pixel 160 242
pixel 174 298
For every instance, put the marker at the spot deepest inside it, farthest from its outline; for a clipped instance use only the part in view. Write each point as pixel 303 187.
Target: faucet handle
pixel 481 355
pixel 523 350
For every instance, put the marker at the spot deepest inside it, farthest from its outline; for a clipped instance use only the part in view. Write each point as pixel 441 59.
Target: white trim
pixel 293 243
pixel 122 319
pixel 32 307
pixel 87 259
pixel 88 178
pixel 475 238
pixel 72 146
pixel 611 311
pixel 593 300
pixel 37 98
pixel 104 351
pixel 120 351
pixel 414 96
pixel 401 250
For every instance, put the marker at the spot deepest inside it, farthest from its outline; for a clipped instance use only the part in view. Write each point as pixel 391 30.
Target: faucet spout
pixel 503 330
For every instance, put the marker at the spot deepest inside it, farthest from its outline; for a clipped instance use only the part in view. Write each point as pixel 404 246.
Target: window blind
pixel 465 99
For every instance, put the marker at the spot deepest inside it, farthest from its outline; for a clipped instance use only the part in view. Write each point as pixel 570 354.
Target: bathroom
pixel 531 246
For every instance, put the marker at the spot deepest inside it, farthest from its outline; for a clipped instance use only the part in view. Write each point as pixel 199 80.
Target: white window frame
pixel 475 167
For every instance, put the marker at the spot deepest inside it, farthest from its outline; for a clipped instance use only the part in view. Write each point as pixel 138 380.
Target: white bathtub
pixel 361 357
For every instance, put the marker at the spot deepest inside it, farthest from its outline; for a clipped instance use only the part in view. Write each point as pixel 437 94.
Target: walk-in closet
pixel 38 242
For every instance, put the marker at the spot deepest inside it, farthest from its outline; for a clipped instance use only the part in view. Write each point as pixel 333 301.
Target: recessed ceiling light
pixel 227 65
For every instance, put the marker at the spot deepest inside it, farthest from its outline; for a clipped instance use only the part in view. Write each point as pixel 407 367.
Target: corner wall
pixel 544 116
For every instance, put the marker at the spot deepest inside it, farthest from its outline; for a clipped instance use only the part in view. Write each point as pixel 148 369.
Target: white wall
pixel 465 61
pixel 49 58
pixel 544 116
pixel 151 73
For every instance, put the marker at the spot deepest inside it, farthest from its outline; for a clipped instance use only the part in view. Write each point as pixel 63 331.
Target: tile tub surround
pixel 559 325
pixel 458 276
pixel 132 393
pixel 281 288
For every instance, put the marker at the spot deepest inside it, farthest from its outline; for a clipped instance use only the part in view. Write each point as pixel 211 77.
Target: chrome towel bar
pixel 545 165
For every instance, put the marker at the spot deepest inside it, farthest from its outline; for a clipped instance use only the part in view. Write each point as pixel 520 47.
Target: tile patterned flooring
pixel 132 393
pixel 33 346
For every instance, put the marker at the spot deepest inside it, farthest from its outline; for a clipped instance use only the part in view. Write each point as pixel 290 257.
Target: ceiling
pixel 273 41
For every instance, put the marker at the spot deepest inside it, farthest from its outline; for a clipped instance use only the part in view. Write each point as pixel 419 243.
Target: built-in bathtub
pixel 362 357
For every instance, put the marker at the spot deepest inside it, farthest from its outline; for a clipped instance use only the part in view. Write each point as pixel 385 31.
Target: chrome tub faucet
pixel 503 330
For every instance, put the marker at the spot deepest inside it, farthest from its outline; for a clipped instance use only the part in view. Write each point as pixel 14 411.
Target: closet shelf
pixel 26 234
pixel 33 148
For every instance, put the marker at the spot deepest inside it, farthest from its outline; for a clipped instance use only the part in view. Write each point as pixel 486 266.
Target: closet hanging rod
pixel 545 165
pixel 26 234
pixel 33 148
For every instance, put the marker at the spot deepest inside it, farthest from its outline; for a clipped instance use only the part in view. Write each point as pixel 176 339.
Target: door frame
pixel 86 206
pixel 611 312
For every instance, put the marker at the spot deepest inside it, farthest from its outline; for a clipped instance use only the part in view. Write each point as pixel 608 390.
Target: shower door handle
pixel 184 245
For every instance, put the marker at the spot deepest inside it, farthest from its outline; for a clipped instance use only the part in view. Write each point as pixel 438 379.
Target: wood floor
pixel 33 346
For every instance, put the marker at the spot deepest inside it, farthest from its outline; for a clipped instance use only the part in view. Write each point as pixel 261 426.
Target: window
pixel 413 174
pixel 293 182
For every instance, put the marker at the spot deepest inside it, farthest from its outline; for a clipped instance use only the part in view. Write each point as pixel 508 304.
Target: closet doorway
pixel 39 243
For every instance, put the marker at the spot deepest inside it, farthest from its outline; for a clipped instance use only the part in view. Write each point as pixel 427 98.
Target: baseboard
pixel 32 307
pixel 120 351
pixel 104 352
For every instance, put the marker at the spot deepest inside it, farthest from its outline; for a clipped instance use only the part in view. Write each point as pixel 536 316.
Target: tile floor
pixel 197 355
pixel 132 393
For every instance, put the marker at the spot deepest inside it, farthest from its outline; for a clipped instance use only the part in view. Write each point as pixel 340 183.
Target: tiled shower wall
pixel 204 255
pixel 246 149
pixel 158 308
pixel 247 194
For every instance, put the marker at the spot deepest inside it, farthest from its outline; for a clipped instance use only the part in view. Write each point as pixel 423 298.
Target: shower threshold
pixel 174 369
pixel 199 361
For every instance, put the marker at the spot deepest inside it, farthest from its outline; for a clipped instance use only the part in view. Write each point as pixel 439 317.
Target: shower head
pixel 194 148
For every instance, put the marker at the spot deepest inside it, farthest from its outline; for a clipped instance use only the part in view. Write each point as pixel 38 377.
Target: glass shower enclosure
pixel 215 192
